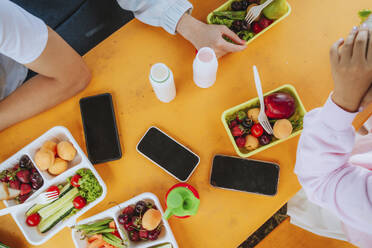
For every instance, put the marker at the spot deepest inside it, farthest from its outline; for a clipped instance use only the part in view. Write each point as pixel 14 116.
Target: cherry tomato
pixel 257 130
pixel 53 188
pixel 79 202
pixel 75 180
pixel 33 219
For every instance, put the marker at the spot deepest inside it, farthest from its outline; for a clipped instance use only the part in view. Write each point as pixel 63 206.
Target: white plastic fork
pixel 43 198
pixel 262 118
pixel 255 12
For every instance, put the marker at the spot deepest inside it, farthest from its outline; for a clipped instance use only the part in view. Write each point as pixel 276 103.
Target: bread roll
pixel 50 145
pixel 58 167
pixel 251 143
pixel 151 219
pixel 66 150
pixel 282 129
pixel 253 114
pixel 44 158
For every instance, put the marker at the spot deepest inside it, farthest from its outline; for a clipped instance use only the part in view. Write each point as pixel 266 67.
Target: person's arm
pixel 328 138
pixel 62 74
pixel 174 16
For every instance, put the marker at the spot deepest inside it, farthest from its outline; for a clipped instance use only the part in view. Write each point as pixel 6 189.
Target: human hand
pixel 204 35
pixel 351 63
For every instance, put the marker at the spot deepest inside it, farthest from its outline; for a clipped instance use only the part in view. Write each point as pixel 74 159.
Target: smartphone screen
pixel 245 175
pixel 167 153
pixel 101 134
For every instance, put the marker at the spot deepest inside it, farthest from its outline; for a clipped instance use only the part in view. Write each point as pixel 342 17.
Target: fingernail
pixel 355 28
pixel 341 40
pixel 364 25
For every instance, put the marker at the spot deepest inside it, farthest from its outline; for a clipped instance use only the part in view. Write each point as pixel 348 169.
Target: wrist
pixel 187 25
pixel 349 105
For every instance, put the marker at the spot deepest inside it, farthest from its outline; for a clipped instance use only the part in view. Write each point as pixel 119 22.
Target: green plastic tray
pixel 226 6
pixel 299 113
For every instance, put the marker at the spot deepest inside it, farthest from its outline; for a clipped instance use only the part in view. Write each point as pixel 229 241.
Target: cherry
pixel 134 236
pixel 123 219
pixel 128 210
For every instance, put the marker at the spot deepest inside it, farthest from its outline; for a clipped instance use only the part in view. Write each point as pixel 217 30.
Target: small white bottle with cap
pixel 205 67
pixel 161 78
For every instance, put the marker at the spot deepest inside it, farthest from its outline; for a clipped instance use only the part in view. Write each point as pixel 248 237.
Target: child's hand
pixel 204 35
pixel 351 63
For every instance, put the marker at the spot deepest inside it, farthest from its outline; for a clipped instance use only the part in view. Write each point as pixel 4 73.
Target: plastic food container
pixel 226 6
pixel 299 113
pixel 166 235
pixel 56 134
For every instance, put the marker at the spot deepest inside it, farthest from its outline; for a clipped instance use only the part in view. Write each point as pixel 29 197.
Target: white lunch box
pixel 56 134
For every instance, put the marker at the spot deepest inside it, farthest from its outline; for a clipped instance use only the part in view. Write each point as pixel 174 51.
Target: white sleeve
pixel 23 36
pixel 160 13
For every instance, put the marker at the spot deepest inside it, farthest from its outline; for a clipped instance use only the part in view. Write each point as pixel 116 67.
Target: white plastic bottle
pixel 205 67
pixel 161 78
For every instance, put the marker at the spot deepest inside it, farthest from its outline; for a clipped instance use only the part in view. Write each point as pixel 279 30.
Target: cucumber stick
pixel 65 189
pixel 51 209
pixel 35 208
pixel 48 223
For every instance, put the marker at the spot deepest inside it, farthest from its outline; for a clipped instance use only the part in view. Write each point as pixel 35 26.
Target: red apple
pixel 279 105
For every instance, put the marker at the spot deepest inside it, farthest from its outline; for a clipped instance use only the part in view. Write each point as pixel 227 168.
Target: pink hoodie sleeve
pixel 324 172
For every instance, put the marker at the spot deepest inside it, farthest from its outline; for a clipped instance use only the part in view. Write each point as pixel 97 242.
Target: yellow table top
pixel 295 51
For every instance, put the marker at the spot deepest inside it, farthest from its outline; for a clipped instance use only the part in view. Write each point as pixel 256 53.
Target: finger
pixel 228 47
pixel 360 44
pixel 230 34
pixel 369 55
pixel 347 49
pixel 335 51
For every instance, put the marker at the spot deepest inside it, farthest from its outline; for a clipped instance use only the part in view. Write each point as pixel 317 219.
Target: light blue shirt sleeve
pixel 159 13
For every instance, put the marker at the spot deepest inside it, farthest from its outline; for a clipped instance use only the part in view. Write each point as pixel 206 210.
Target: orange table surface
pixel 295 52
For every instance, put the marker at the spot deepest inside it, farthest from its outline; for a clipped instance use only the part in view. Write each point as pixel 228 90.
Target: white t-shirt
pixel 23 38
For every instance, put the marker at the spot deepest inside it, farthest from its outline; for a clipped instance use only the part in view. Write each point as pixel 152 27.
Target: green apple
pixel 276 9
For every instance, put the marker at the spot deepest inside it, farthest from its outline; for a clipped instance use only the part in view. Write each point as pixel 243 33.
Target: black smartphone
pixel 168 154
pixel 247 175
pixel 101 133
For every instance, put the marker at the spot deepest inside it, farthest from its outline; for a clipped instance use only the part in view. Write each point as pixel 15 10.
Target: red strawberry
pixel 25 189
pixel 23 176
pixel 240 142
pixel 233 123
pixel 256 28
pixel 237 131
pixel 14 184
pixel 264 22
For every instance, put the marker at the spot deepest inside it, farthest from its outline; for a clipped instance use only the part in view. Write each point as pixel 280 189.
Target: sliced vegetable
pixel 48 223
pixel 57 205
pixel 35 208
